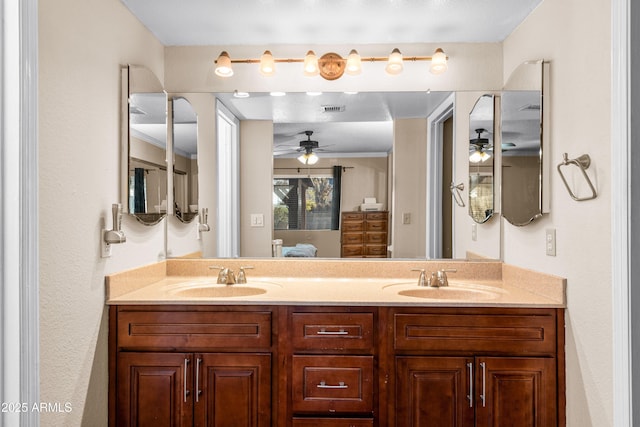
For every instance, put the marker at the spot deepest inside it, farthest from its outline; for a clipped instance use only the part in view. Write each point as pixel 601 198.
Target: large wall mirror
pixel 144 145
pixel 184 131
pixel 365 133
pixel 481 159
pixel 523 147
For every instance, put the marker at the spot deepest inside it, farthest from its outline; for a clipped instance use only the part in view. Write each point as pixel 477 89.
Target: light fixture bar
pixel 363 59
pixel 331 66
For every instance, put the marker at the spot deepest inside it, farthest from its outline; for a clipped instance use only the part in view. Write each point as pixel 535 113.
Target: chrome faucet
pixel 225 276
pixel 439 279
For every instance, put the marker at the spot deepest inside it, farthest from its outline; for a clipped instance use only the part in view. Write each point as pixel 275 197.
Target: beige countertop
pixel 388 283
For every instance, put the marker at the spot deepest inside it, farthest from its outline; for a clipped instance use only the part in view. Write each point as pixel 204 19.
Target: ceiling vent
pixel 332 108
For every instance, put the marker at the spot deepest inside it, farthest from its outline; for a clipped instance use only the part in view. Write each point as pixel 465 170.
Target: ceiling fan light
pixel 394 64
pixel 267 64
pixel 484 156
pixel 223 65
pixel 476 156
pixel 438 62
pixel 312 158
pixel 354 63
pixel 311 67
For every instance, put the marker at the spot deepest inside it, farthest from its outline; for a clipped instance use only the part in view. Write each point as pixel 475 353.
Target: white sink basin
pixel 214 290
pixel 458 292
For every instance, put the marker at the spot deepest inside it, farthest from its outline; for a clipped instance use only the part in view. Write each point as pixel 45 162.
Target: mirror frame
pixel 530 76
pixel 491 142
pixel 144 81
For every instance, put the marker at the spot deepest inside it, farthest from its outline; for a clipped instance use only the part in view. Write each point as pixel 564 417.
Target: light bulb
pixel 311 64
pixel 267 64
pixel 438 62
pixel 223 65
pixel 394 65
pixel 354 63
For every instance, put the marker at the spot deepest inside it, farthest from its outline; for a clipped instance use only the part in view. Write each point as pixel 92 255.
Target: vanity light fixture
pixel 332 66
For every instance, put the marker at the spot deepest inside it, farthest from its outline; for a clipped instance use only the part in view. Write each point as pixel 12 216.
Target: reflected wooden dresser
pixel 364 234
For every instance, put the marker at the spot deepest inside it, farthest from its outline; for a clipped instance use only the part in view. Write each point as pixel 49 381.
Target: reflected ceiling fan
pixel 308 148
pixel 479 148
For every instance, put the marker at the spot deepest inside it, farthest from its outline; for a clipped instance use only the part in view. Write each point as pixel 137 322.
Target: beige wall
pixel 81 47
pixel 409 188
pixel 256 187
pixel 567 33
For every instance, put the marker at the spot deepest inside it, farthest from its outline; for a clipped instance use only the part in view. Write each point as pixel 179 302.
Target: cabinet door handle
pixel 198 391
pixel 470 395
pixel 483 396
pixel 341 384
pixel 184 379
pixel 340 332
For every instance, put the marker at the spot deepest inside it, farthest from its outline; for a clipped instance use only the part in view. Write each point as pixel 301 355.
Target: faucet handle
pixel 242 276
pixel 421 279
pixel 222 274
pixel 442 275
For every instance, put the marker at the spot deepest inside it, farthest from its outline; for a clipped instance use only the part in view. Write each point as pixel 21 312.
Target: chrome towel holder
pixel 583 162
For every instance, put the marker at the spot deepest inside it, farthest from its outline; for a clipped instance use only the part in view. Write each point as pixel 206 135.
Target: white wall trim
pixel 620 214
pixel 435 122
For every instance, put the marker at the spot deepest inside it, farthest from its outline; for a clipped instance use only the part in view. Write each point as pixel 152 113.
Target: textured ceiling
pixel 256 22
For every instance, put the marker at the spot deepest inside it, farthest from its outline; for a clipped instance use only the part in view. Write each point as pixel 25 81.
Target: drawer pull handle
pixel 340 332
pixel 184 379
pixel 470 395
pixel 341 384
pixel 483 396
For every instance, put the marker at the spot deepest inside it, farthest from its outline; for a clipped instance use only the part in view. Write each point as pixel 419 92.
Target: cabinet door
pixel 233 390
pixel 434 392
pixel 518 392
pixel 154 389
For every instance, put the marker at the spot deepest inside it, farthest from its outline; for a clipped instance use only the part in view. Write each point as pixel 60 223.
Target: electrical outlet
pixel 550 236
pixel 406 218
pixel 105 247
pixel 474 232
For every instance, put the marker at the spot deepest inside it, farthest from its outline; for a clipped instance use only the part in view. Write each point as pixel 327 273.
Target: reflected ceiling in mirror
pixel 481 159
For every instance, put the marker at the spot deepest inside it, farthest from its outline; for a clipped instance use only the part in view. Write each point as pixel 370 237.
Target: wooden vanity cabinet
pixel 477 367
pixel 190 366
pixel 332 356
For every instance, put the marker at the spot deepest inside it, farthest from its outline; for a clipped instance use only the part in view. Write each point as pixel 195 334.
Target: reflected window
pixel 302 203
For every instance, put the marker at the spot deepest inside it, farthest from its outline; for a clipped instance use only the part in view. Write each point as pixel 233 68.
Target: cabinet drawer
pixel 194 330
pixel 352 250
pixel 376 216
pixel 470 331
pixel 352 216
pixel 332 331
pixel 332 384
pixel 376 225
pixel 332 422
pixel 376 238
pixel 352 238
pixel 375 250
pixel 352 226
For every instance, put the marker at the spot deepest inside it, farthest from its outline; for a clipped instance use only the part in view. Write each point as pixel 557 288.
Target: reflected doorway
pixel 447 178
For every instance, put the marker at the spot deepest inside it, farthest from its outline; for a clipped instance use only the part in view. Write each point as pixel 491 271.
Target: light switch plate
pixel 474 232
pixel 257 220
pixel 406 218
pixel 105 248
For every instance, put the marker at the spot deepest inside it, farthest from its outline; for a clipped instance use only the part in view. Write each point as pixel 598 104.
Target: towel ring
pixel 583 162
